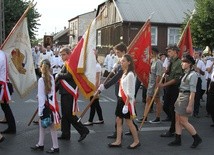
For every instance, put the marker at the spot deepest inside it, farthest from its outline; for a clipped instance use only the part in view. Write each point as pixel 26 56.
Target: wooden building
pixel 122 19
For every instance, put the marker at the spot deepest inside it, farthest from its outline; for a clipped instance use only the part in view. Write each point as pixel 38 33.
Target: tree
pixel 202 26
pixel 13 10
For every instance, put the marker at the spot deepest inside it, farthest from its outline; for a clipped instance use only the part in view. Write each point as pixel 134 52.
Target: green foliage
pixel 202 26
pixel 13 10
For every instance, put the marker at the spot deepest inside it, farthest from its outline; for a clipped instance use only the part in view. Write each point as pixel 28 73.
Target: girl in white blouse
pixel 125 107
pixel 46 87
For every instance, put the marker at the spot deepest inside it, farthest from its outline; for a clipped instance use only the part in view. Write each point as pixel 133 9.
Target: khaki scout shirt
pixel 176 70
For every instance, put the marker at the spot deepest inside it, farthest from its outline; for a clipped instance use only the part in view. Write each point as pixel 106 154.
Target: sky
pixel 56 13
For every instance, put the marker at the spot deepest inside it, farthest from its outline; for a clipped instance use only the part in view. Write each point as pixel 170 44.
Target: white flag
pixel 20 60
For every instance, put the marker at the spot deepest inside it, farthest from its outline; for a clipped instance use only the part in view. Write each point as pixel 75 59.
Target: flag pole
pixel 138 34
pixel 150 104
pixel 19 21
pixel 188 22
pixel 33 117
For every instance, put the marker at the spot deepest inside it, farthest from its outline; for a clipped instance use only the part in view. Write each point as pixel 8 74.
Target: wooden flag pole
pixel 150 104
pixel 179 42
pixel 19 21
pixel 33 117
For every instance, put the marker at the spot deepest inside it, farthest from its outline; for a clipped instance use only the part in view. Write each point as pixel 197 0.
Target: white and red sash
pixel 131 104
pixel 74 93
pixel 53 104
pixel 4 92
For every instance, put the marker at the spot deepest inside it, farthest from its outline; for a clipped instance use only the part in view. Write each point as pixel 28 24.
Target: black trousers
pixel 197 97
pixel 208 84
pixel 9 116
pixel 168 107
pixel 95 107
pixel 68 118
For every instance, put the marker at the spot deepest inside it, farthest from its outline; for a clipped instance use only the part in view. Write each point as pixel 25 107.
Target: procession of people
pixel 177 95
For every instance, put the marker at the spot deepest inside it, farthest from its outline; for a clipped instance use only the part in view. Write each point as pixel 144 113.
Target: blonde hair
pixel 45 64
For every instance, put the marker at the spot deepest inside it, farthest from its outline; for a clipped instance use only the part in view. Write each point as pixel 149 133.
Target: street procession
pixel 107 77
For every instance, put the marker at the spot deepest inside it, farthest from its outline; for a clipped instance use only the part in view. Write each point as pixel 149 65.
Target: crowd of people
pixel 178 93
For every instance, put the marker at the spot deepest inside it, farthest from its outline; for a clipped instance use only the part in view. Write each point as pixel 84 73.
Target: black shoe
pixel 113 145
pixel 212 125
pixel 197 141
pixel 3 122
pixel 36 122
pixel 112 136
pixel 167 134
pixel 139 120
pixel 133 147
pixel 2 139
pixel 83 136
pixel 166 120
pixel 64 138
pixel 177 141
pixel 196 116
pixel 8 131
pixel 53 150
pixel 128 133
pixel 99 122
pixel 37 148
pixel 156 120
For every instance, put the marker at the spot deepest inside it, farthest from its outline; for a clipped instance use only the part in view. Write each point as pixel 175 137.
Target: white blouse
pixel 41 94
pixel 128 85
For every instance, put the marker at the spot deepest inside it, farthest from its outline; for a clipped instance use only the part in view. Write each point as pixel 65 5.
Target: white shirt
pixel 109 62
pixel 44 56
pixel 128 84
pixel 166 63
pixel 2 66
pixel 56 64
pixel 36 59
pixel 41 93
pixel 200 64
pixel 208 65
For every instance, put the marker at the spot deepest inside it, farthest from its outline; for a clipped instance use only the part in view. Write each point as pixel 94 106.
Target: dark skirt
pixel 119 109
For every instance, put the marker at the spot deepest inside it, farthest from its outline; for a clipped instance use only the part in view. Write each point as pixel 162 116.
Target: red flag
pixel 140 50
pixel 185 43
pixel 82 62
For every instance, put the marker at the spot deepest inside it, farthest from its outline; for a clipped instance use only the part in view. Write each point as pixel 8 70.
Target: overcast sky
pixel 56 13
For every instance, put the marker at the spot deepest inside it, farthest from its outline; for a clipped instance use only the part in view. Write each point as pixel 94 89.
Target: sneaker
pixel 99 122
pixel 156 120
pixel 139 120
pixel 88 123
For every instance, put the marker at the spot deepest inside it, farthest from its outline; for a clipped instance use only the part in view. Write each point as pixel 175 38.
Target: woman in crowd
pixel 185 102
pixel 125 106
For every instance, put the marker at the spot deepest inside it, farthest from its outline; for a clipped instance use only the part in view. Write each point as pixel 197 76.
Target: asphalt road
pixel 96 142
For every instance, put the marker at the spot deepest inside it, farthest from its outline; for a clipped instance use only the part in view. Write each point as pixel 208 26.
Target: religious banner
pixel 20 61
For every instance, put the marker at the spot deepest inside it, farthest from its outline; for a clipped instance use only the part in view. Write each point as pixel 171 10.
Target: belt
pixel 184 91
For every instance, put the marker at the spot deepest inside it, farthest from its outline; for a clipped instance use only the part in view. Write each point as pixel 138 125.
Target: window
pixel 99 38
pixel 154 33
pixel 173 35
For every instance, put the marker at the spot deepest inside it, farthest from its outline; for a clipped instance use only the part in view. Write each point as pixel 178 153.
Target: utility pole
pixel 2 22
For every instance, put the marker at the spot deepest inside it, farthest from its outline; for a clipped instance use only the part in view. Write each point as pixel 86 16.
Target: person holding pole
pixel 125 104
pixel 184 105
pixel 68 91
pixel 154 78
pixel 171 85
pixel 96 104
pixel 120 50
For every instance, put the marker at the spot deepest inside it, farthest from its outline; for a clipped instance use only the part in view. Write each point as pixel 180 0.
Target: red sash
pixel 131 105
pixel 73 92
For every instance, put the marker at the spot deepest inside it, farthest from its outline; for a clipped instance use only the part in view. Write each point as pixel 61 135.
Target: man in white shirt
pixel 199 67
pixel 56 63
pixel 36 55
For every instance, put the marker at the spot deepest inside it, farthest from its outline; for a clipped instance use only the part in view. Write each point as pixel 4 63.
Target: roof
pixel 82 15
pixel 165 11
pixel 61 33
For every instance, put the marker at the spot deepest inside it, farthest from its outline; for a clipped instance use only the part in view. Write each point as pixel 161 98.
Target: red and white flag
pixel 82 62
pixel 185 42
pixel 140 50
pixel 17 47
